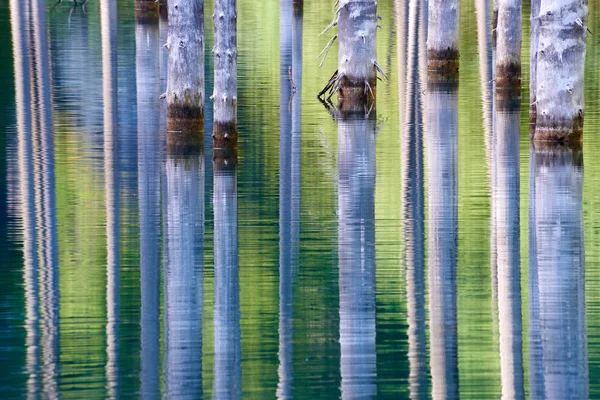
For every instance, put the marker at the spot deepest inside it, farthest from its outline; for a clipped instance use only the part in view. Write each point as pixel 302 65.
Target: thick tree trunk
pixel 508 45
pixel 559 262
pixel 442 39
pixel 356 247
pixel 185 86
pixel 147 55
pixel 228 373
pixel 533 57
pixel 560 70
pixel 441 142
pixel 184 275
pixel 225 90
pixel 357 54
pixel 505 211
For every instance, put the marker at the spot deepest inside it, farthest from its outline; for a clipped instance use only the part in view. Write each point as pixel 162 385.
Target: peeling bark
pixel 185 86
pixel 560 71
pixel 442 39
pixel 225 90
pixel 508 45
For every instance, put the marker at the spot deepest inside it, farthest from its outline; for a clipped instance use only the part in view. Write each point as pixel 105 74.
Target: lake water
pixel 419 249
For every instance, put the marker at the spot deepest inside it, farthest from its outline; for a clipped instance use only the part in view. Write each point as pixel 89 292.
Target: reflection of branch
pixel 333 110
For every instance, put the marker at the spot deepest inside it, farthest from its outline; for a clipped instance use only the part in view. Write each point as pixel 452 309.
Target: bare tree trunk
pixel 228 373
pixel 560 266
pixel 505 210
pixel 357 54
pixel 149 169
pixel 225 90
pixel 356 249
pixel 441 142
pixel 442 38
pixel 560 70
pixel 533 58
pixel 185 86
pixel 508 56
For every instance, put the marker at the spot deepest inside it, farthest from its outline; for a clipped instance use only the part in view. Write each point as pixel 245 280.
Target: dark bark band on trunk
pixel 563 131
pixel 185 117
pixel 357 89
pixel 146 11
pixel 225 135
pixel 508 76
pixel 357 109
pixel 442 66
pixel 508 99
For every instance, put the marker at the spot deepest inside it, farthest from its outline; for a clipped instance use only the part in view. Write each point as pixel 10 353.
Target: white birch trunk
pixel 508 45
pixel 357 52
pixel 356 249
pixel 533 56
pixel 149 168
pixel 225 90
pixel 560 70
pixel 185 86
pixel 228 373
pixel 560 265
pixel 441 143
pixel 442 38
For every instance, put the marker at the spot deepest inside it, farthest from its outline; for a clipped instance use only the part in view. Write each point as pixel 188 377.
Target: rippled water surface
pixel 417 249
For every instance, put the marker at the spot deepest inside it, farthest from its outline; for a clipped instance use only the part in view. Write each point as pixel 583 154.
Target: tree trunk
pixel 560 70
pixel 356 249
pixel 184 275
pixel 505 214
pixel 147 55
pixel 225 90
pixel 559 262
pixel 441 143
pixel 442 39
pixel 185 86
pixel 508 45
pixel 533 59
pixel 145 9
pixel 357 54
pixel 228 373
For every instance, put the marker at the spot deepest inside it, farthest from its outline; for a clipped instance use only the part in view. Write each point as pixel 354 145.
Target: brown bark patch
pixel 225 135
pixel 442 65
pixel 357 109
pixel 508 76
pixel 185 143
pixel 559 130
pixel 185 118
pixel 359 89
pixel 146 12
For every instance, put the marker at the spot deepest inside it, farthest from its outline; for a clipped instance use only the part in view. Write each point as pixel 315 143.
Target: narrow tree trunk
pixel 228 373
pixel 357 54
pixel 185 87
pixel 356 248
pixel 225 90
pixel 560 70
pixel 442 39
pixel 147 55
pixel 560 266
pixel 441 142
pixel 508 56
pixel 505 211
pixel 184 274
pixel 533 59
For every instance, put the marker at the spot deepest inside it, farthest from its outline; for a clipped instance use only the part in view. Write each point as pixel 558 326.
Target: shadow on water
pixel 356 251
pixel 558 357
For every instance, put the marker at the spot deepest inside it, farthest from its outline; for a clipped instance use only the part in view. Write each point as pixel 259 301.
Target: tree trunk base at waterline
pixel 442 65
pixel 549 129
pixel 225 135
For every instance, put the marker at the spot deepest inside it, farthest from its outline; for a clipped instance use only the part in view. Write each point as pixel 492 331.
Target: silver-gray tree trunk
pixel 508 45
pixel 560 70
pixel 442 38
pixel 225 90
pixel 357 52
pixel 533 53
pixel 185 86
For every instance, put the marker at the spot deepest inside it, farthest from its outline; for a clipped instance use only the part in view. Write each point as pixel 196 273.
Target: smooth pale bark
pixel 356 249
pixel 559 263
pixel 442 38
pixel 147 56
pixel 533 54
pixel 227 340
pixel 441 143
pixel 506 226
pixel 508 45
pixel 413 200
pixel 357 51
pixel 225 91
pixel 184 275
pixel 560 70
pixel 108 18
pixel 185 86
